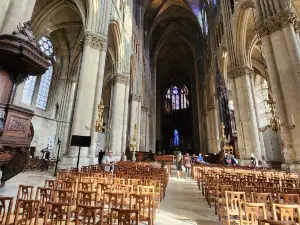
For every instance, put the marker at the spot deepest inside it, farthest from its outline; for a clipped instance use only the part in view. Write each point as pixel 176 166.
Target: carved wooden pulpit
pixel 20 57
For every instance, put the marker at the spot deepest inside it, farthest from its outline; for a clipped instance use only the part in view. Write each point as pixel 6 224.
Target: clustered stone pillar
pixel 97 99
pixel 213 128
pixel 120 82
pixel 280 45
pixel 247 116
pixel 84 107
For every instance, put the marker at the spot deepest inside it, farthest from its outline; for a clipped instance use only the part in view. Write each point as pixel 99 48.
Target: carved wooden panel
pixel 5 87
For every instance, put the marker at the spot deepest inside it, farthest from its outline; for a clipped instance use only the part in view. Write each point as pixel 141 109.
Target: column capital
pixel 94 41
pixel 276 22
pixel 239 72
pixel 121 79
pixel 136 98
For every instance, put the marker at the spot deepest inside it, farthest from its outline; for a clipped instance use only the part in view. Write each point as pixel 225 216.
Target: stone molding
pixel 94 41
pixel 136 98
pixel 276 23
pixel 144 109
pixel 121 79
pixel 239 72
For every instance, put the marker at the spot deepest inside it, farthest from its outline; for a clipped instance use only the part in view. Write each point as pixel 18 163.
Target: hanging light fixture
pixel 275 123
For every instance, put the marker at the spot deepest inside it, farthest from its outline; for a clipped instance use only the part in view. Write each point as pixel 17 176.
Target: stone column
pixel 147 132
pixel 134 104
pixel 13 13
pixel 117 113
pixel 83 111
pixel 247 114
pixel 282 52
pixel 125 122
pixel 97 99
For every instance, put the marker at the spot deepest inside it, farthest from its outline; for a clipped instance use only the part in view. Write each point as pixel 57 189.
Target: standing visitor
pixel 109 162
pixel 227 160
pixel 254 160
pixel 179 164
pixel 45 158
pixel 187 163
pixel 193 158
pixel 200 158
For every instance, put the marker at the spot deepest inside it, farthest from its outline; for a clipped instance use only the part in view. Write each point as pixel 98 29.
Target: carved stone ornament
pixel 144 109
pixel 239 72
pixel 94 41
pixel 276 22
pixel 121 79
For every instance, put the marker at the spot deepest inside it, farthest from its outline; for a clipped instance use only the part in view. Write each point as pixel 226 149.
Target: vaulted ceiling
pixel 174 36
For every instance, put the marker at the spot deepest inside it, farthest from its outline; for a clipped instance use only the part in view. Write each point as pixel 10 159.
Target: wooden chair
pixel 221 198
pixel 54 184
pixel 57 214
pixel 143 203
pixel 125 216
pixel 88 198
pixel 5 209
pixel 266 198
pixel 89 215
pixel 289 199
pixel 25 192
pixel 286 213
pixel 27 212
pixel 63 196
pixel 233 199
pixel 250 213
pixel 44 195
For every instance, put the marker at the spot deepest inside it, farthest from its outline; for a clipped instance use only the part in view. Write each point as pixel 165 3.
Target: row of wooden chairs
pixel 244 196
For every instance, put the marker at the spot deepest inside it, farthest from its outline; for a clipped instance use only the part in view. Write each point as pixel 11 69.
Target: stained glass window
pixel 176 138
pixel 44 89
pixel 47 47
pixel 28 90
pixel 176 98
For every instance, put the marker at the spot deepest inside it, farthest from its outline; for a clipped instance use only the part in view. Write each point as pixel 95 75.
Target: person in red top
pixel 187 163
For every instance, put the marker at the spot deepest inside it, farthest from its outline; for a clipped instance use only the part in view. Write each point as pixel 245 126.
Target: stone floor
pixel 183 204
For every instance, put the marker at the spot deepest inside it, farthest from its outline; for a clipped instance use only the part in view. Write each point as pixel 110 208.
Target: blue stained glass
pixel 176 138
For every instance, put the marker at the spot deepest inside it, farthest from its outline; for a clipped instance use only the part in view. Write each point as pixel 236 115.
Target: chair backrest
pixel 25 192
pixel 113 200
pixel 44 195
pixel 27 212
pixel 144 204
pixel 283 212
pixel 57 213
pixel 85 186
pixel 234 199
pixel 288 199
pixel 250 213
pixel 88 198
pixel 89 215
pixel 63 196
pixel 5 209
pixel 125 216
pixel 51 184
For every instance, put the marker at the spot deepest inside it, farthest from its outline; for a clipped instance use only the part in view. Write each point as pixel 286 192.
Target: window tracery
pixel 176 98
pixel 46 47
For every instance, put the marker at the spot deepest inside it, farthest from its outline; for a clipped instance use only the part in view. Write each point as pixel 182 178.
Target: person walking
pixel 179 164
pixel 109 162
pixel 187 163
